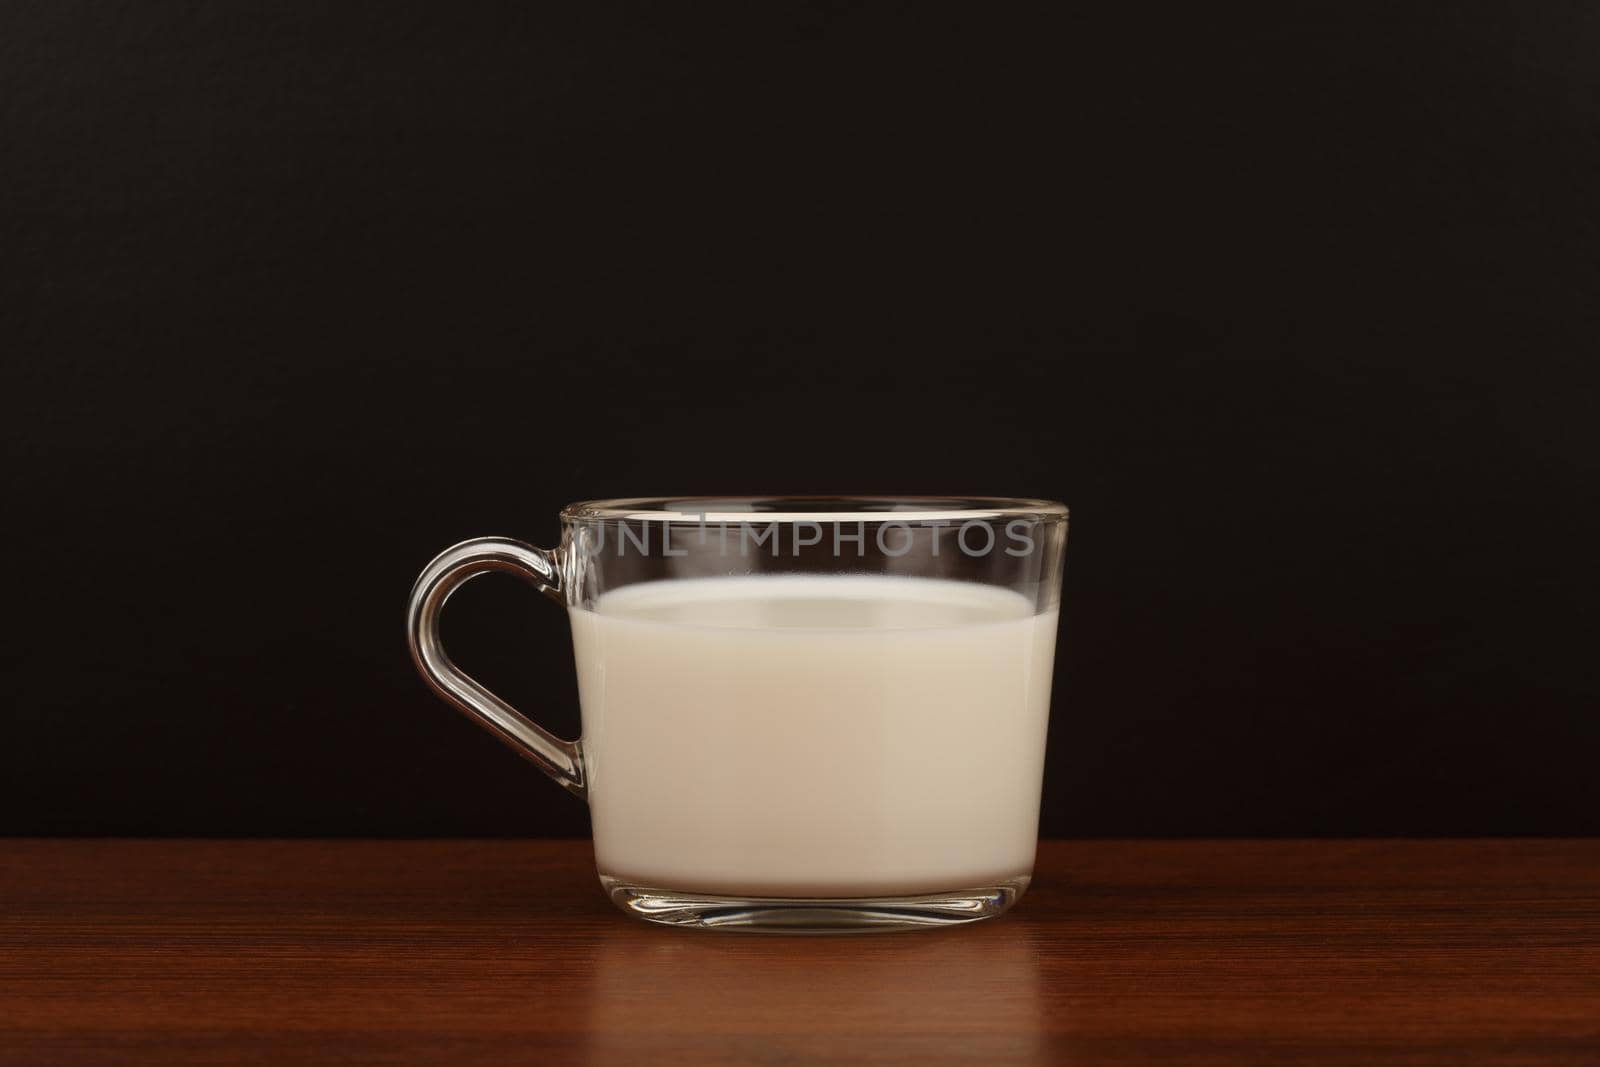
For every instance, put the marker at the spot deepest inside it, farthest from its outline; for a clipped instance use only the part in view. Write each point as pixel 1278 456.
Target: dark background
pixel 1296 310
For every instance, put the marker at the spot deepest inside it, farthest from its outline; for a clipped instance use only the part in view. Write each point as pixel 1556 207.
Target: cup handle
pixel 561 760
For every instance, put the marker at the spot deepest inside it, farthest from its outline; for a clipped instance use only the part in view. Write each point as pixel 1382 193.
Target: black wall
pixel 1296 311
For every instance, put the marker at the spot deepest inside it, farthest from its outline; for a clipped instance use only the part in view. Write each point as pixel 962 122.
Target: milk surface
pixel 814 735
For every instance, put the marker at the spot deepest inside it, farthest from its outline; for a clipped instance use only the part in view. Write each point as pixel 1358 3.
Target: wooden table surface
pixel 503 952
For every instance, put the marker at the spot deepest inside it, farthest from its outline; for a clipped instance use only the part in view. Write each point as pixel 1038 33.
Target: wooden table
pixel 503 952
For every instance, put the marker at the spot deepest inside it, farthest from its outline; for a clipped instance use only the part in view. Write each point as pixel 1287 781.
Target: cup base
pixel 813 915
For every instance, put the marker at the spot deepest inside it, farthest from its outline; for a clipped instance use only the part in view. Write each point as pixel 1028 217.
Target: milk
pixel 814 735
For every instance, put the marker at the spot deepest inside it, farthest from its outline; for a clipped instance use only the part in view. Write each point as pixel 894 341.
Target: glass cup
pixel 798 712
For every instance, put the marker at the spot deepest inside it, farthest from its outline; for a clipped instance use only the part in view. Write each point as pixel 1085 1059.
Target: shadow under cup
pixel 798 712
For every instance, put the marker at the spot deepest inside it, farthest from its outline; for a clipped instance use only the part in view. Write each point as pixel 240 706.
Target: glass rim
pixel 889 507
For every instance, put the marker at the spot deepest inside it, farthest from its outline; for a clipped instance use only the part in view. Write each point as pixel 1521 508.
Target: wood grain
pixel 505 952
